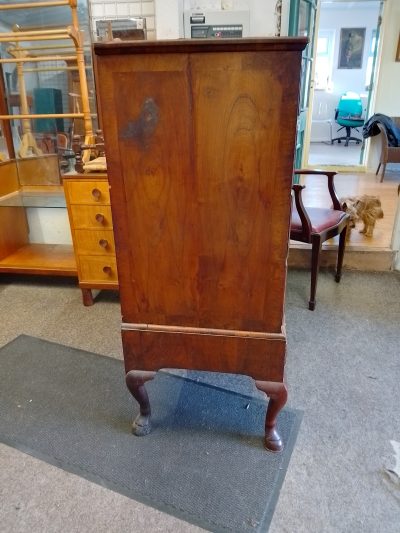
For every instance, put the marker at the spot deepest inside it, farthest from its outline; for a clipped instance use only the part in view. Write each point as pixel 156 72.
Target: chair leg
pixel 383 171
pixel 315 260
pixel 348 134
pixel 342 246
pixel 377 170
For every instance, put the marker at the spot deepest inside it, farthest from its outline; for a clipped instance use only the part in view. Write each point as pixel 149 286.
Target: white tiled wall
pixel 106 9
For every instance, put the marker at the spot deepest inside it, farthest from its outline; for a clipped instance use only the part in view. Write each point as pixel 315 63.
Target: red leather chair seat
pixel 321 219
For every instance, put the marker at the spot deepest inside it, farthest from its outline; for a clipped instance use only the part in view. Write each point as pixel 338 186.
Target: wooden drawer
pixel 91 216
pixel 95 242
pixel 88 192
pixel 101 269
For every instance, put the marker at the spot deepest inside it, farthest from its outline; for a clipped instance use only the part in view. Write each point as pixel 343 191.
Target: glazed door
pixel 371 84
pixel 302 23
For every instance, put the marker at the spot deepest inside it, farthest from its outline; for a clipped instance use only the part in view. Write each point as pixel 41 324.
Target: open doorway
pixel 344 65
pixel 336 71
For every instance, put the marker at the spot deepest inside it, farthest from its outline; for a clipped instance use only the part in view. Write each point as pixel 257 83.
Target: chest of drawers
pixel 89 211
pixel 200 139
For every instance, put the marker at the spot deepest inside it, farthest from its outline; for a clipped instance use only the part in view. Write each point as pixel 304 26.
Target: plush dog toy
pixel 366 208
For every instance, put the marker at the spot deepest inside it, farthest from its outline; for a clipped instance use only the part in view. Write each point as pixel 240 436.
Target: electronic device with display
pixel 216 24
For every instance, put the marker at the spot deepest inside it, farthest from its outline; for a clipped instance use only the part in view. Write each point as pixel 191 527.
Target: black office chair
pixel 348 116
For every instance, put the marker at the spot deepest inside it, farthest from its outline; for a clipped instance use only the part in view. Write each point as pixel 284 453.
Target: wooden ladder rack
pixel 21 56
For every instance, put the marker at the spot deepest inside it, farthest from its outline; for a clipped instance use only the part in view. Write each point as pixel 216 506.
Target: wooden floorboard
pixel 356 184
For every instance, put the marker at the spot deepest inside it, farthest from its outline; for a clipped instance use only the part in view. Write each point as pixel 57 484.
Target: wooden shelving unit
pixel 19 187
pixel 17 254
pixel 21 54
pixel 43 259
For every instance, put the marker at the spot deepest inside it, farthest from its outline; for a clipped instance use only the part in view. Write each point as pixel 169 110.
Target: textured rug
pixel 204 462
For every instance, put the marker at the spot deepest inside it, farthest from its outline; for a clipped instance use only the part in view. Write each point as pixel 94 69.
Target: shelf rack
pixel 21 56
pixel 17 254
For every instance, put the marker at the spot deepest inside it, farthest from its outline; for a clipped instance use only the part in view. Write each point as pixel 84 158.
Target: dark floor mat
pixel 204 462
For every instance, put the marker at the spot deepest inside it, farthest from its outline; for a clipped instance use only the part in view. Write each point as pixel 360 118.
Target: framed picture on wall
pixel 351 47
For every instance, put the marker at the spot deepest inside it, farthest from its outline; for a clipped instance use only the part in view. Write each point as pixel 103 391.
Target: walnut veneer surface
pixel 200 139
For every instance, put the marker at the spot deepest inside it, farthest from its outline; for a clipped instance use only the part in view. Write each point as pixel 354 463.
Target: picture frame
pixel 351 48
pixel 398 50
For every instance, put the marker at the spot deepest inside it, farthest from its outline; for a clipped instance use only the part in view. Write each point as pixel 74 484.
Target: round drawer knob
pixel 100 218
pixel 96 193
pixel 107 270
pixel 103 243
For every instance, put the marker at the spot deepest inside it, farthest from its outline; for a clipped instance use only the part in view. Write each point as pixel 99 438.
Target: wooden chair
pixel 389 154
pixel 315 225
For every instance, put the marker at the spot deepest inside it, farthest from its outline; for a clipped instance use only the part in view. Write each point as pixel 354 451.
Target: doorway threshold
pixel 356 257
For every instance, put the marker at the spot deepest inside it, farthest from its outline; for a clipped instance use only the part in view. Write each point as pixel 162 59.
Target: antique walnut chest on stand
pixel 200 139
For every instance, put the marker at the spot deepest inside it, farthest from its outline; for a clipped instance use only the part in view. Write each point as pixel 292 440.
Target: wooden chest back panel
pixel 200 156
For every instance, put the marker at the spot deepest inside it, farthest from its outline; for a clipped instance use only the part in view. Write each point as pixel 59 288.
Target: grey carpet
pixel 342 370
pixel 204 461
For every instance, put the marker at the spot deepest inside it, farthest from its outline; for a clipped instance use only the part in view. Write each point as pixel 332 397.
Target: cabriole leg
pixel 277 393
pixel 135 380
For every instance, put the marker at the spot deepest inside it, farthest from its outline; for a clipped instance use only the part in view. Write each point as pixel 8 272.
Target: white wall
pixel 48 225
pixel 335 17
pixel 110 9
pixel 168 19
pixel 169 16
pixel 262 18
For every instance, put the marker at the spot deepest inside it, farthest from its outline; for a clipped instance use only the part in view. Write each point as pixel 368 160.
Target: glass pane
pixel 3 145
pixel 322 45
pixel 48 86
pixel 304 18
pixel 43 198
pixel 322 72
pixel 306 74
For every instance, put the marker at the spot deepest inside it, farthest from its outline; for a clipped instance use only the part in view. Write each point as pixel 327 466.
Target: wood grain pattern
pixel 8 177
pixel 42 259
pixel 81 191
pixel 239 184
pixel 202 46
pixel 205 240
pixel 91 217
pixel 14 231
pixel 17 255
pixel 353 184
pixel 200 139
pixel 39 170
pixel 89 211
pixel 94 242
pixel 216 353
pixel 97 270
pixel 179 195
